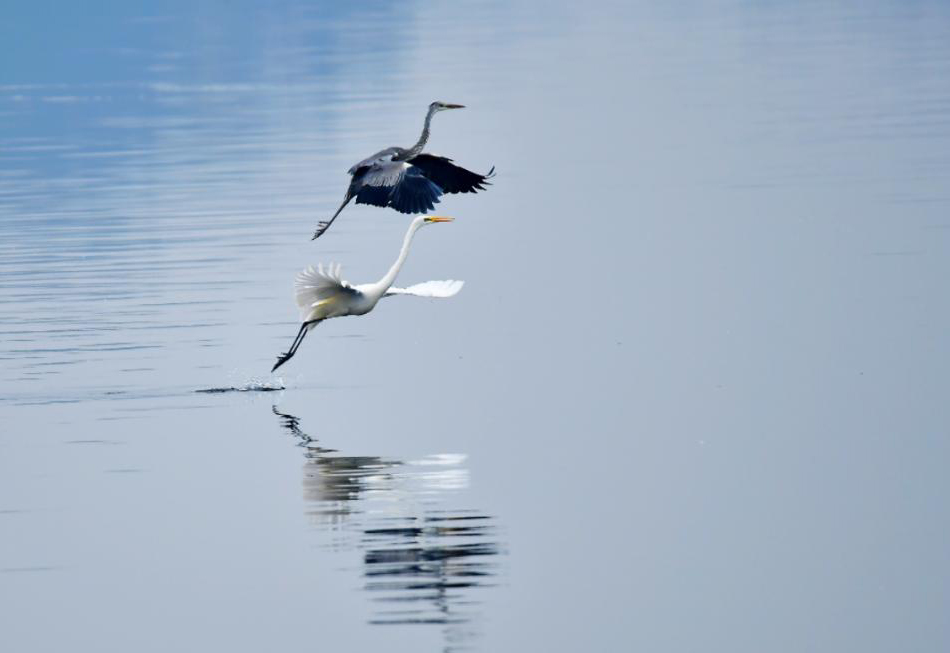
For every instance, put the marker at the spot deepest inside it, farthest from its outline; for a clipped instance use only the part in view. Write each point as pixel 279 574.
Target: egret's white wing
pixel 448 288
pixel 316 285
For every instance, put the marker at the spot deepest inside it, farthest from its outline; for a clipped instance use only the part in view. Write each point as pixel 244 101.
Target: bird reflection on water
pixel 424 563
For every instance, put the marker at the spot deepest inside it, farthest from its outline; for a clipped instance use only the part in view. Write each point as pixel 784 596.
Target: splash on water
pixel 254 385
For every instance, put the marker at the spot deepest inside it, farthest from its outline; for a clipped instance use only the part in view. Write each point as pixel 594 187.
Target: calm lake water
pixel 693 396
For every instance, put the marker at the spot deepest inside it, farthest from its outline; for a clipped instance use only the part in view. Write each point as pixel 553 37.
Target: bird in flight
pixel 408 180
pixel 321 293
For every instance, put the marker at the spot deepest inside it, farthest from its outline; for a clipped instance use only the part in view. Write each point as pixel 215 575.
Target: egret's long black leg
pixel 304 330
pixel 323 225
pixel 300 334
pixel 287 355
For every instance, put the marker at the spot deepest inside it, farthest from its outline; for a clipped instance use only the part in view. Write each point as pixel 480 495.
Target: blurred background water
pixel 693 395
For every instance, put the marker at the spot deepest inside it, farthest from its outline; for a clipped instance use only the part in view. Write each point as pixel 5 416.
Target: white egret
pixel 322 293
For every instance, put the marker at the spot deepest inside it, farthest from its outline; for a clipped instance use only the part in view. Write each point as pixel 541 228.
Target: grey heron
pixel 406 179
pixel 322 293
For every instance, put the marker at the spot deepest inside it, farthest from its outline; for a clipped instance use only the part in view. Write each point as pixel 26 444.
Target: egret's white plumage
pixel 322 293
pixel 320 287
pixel 439 289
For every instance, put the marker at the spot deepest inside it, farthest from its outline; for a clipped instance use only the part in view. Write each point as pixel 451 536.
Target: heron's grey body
pixel 406 179
pixel 380 158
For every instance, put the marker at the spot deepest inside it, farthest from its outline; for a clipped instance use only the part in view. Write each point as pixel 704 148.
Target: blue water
pixel 692 396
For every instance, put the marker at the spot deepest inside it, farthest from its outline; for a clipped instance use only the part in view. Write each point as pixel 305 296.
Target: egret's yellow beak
pixel 438 218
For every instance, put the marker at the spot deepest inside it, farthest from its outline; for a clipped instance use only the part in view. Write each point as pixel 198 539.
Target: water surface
pixel 692 396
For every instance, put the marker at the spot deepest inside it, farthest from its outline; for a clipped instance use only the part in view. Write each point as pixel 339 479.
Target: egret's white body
pixel 322 293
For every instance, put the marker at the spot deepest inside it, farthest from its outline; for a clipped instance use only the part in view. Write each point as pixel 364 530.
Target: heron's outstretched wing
pixel 316 285
pixel 440 289
pixel 450 177
pixel 398 185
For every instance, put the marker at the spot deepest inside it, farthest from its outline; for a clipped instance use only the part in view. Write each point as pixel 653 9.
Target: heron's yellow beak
pixel 438 218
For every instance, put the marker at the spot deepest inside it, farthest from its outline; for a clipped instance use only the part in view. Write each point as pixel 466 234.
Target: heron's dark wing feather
pixel 450 177
pixel 398 185
pixel 374 195
pixel 415 193
pixel 373 184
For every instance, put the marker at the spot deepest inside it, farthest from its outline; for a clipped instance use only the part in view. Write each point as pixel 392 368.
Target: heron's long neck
pixel 417 148
pixel 390 277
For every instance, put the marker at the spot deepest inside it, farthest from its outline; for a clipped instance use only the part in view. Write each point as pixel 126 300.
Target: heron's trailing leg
pixel 287 355
pixel 323 225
